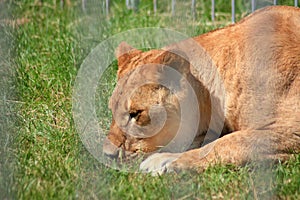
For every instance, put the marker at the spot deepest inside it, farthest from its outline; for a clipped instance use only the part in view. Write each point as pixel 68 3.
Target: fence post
pixel 213 10
pixel 194 8
pixel 296 3
pixel 232 11
pixel 154 6
pixel 107 6
pixel 275 2
pixel 252 5
pixel 83 5
pixel 173 7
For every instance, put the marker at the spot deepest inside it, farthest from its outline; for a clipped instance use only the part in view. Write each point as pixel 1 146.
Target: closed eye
pixel 135 114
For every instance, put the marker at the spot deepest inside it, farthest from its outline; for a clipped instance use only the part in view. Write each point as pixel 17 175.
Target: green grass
pixel 49 160
pixel 7 106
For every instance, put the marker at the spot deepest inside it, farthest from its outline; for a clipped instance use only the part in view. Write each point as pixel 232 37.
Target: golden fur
pixel 258 61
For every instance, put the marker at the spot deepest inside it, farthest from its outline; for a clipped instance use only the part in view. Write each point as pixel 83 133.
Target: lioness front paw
pixel 159 163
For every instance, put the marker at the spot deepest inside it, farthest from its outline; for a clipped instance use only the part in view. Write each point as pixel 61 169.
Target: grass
pixel 7 107
pixel 46 157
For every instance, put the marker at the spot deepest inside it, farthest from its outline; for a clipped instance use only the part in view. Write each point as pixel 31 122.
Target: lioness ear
pixel 176 59
pixel 124 53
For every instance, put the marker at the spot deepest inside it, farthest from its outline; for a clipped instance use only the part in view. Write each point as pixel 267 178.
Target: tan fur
pixel 258 60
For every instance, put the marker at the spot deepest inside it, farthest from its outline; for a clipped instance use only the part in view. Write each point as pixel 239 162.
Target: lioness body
pixel 257 63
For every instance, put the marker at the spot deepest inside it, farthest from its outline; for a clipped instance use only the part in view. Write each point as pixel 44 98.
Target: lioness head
pixel 145 103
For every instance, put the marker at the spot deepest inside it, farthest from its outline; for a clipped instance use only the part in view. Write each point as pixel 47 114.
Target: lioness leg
pixel 236 148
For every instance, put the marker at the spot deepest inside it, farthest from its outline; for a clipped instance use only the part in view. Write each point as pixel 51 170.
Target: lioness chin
pixel 246 82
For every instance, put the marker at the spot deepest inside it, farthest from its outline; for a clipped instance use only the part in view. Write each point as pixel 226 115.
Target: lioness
pixel 246 79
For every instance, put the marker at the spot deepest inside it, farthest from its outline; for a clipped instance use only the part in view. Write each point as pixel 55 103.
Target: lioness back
pixel 262 48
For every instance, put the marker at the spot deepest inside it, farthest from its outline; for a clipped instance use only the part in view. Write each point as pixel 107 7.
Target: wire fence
pixel 134 4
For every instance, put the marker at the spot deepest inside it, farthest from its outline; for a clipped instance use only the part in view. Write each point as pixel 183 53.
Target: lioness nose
pixel 110 150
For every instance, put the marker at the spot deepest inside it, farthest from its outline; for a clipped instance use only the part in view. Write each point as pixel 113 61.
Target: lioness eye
pixel 135 114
